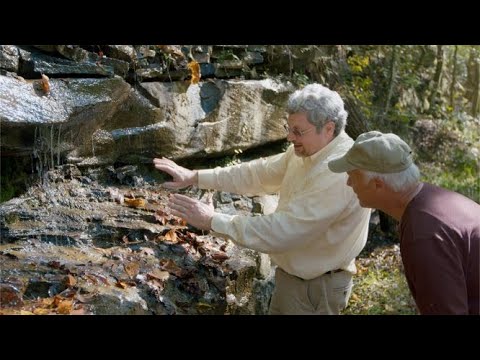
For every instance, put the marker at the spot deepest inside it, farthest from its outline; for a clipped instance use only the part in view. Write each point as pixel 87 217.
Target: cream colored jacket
pixel 318 225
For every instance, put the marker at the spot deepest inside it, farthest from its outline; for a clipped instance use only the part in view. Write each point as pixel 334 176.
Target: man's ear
pixel 379 184
pixel 330 126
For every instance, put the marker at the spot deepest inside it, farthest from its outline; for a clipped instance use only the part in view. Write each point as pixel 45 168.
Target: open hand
pixel 182 177
pixel 195 212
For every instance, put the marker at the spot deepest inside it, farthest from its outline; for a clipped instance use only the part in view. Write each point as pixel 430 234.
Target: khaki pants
pixel 325 295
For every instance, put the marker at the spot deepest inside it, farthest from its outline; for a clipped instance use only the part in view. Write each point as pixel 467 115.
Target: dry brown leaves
pixel 45 84
pixel 135 203
pixel 194 68
pixel 132 269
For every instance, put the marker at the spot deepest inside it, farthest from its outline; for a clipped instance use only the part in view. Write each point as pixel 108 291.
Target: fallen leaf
pixel 45 84
pixel 65 307
pixel 48 302
pixel 219 256
pixel 354 297
pixel 194 67
pixel 159 275
pixel 132 268
pixel 94 278
pixel 135 203
pixel 70 281
pixel 161 216
pixel 170 266
pixel 171 236
pixel 179 221
pixel 56 300
pixel 121 284
pixel 40 311
pixel 24 312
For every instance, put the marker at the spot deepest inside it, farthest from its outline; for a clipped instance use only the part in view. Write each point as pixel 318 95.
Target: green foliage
pixel 167 59
pixel 449 156
pixel 380 292
pixel 227 54
pixel 7 190
pixel 14 177
pixel 462 178
pixel 359 81
pixel 11 187
pixel 358 63
pixel 380 286
pixel 300 79
pixel 229 160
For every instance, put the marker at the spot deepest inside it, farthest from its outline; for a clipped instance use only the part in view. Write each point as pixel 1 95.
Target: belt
pixel 333 271
pixel 296 277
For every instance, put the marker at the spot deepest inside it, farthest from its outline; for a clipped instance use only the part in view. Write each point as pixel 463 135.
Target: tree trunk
pixel 356 121
pixel 436 77
pixel 419 64
pixel 454 76
pixel 472 83
pixel 476 88
pixel 339 70
pixel 391 81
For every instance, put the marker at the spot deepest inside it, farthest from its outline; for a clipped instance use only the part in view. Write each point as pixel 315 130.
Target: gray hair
pixel 321 105
pixel 398 181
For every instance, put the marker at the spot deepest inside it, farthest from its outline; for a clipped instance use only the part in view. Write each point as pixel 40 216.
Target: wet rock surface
pixel 103 242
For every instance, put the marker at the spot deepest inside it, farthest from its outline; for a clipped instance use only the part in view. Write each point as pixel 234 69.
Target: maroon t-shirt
pixel 439 243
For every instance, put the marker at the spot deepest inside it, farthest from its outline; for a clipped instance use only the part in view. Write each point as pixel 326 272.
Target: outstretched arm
pixel 194 211
pixel 182 177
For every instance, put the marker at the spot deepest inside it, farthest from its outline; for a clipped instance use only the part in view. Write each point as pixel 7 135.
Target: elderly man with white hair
pixel 318 227
pixel 439 229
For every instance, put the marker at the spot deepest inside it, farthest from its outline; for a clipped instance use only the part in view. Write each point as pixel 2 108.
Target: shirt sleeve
pixel 435 273
pixel 308 214
pixel 258 177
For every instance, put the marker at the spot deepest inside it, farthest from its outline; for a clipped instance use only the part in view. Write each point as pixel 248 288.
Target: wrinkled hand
pixel 182 177
pixel 194 211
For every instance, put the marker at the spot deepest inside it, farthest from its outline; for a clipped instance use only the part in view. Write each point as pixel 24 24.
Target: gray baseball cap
pixel 377 152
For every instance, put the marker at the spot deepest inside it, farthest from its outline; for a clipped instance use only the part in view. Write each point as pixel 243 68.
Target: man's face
pixel 363 188
pixel 306 141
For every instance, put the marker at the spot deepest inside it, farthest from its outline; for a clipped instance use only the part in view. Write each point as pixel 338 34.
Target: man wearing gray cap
pixel 439 229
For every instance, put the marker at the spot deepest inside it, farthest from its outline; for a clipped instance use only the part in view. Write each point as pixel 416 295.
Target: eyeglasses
pixel 296 132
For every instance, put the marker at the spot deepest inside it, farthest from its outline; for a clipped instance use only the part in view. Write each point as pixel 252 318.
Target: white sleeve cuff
pixel 222 224
pixel 206 179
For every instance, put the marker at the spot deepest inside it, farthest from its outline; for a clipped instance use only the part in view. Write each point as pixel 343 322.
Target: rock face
pixel 74 243
pixel 98 244
pixel 88 119
pixel 67 101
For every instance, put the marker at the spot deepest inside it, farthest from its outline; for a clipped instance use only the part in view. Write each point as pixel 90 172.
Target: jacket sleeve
pixel 258 177
pixel 308 214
